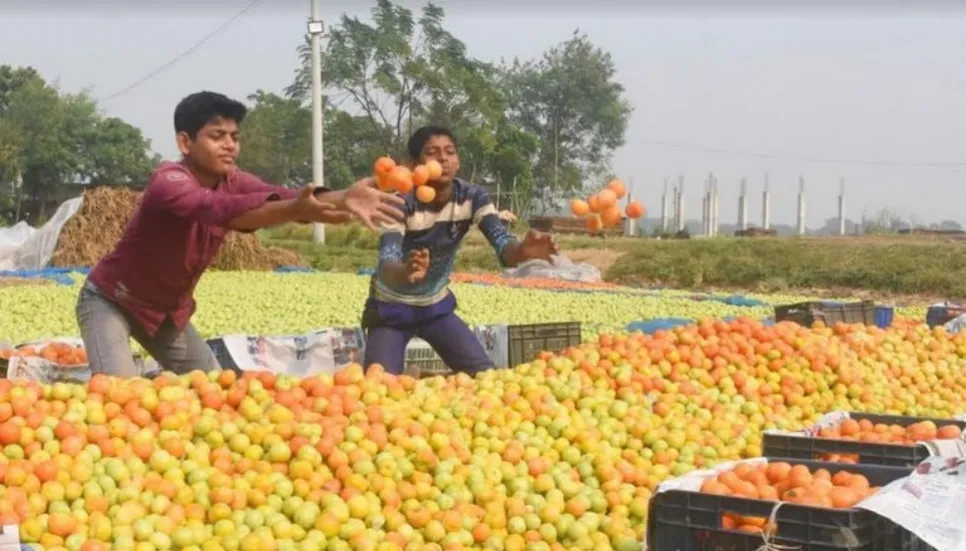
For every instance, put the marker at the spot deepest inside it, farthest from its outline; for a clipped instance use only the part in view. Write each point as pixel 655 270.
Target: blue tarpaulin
pixel 767 322
pixel 736 300
pixel 366 271
pixel 293 270
pixel 58 275
pixel 652 326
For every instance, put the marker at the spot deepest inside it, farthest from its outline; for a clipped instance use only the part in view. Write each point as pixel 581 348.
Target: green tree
pixel 277 140
pixel 399 73
pixel 572 102
pixel 512 166
pixel 112 152
pixel 277 143
pixel 12 80
pixel 546 125
pixel 351 147
pixel 47 154
pixel 49 140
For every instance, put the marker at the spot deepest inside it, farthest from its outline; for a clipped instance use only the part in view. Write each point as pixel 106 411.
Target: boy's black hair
pixel 419 138
pixel 200 108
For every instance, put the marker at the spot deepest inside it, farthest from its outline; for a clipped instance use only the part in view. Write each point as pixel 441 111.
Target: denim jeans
pixel 107 329
pixel 390 327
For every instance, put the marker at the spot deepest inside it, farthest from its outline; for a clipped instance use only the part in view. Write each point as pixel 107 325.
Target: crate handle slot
pixel 846 537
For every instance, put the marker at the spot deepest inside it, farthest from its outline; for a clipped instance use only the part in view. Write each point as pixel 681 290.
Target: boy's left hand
pixel 539 245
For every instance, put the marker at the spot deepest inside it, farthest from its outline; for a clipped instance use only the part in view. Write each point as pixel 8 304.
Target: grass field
pixel 904 266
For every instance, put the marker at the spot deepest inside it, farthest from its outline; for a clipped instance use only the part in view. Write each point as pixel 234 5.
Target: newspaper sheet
pixel 329 350
pixel 930 503
pixel 692 481
pixel 36 368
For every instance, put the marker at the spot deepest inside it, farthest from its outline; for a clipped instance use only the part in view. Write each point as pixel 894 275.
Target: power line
pixel 949 164
pixel 183 54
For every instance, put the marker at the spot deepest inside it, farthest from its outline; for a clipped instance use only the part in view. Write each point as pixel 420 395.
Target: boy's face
pixel 442 150
pixel 215 147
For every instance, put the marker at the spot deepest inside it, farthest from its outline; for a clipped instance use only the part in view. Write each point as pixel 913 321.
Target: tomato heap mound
pixel 560 453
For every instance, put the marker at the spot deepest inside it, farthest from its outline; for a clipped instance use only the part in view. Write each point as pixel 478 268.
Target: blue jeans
pixel 107 329
pixel 390 327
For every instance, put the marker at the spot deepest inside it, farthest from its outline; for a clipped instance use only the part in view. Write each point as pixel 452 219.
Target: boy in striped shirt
pixel 409 295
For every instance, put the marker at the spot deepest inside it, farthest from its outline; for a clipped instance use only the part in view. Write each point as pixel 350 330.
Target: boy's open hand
pixel 310 209
pixel 373 207
pixel 539 245
pixel 417 264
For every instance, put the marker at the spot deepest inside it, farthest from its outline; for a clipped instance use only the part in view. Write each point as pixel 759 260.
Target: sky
pixel 736 90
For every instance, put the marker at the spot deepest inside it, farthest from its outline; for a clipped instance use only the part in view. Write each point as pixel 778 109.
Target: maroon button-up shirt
pixel 172 238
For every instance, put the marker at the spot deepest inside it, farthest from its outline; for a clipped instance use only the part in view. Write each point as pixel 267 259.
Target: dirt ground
pixel 602 259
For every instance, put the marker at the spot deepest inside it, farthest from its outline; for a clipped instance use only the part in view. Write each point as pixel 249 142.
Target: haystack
pixel 97 227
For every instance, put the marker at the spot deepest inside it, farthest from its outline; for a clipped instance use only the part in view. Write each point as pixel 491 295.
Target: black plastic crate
pixel 941 315
pixel 682 538
pixel 222 355
pixel 870 453
pixel 680 520
pixel 526 342
pixel 807 313
pixel 916 544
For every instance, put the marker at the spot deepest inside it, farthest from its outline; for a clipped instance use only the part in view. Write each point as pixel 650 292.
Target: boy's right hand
pixel 370 205
pixel 417 264
pixel 310 209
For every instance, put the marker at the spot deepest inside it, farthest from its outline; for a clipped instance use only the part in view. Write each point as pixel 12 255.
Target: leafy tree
pixel 49 140
pixel 351 146
pixel 550 124
pixel 277 140
pixel 883 221
pixel 570 99
pixel 12 80
pixel 401 73
pixel 831 227
pixel 950 225
pixel 112 152
pixel 277 143
pixel 512 166
pixel 47 156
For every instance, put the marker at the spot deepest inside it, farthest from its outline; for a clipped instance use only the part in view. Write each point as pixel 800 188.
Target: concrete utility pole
pixel 682 223
pixel 841 206
pixel 743 206
pixel 715 206
pixel 316 28
pixel 664 208
pixel 765 207
pixel 674 208
pixel 706 209
pixel 801 205
pixel 630 229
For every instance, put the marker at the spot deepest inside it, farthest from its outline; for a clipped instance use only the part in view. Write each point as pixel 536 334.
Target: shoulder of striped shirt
pixel 460 209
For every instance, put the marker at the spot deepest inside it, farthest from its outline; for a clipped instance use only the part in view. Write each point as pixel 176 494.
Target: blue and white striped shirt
pixel 439 229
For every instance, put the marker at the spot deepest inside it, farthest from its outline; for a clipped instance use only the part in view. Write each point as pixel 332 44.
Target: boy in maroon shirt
pixel 143 289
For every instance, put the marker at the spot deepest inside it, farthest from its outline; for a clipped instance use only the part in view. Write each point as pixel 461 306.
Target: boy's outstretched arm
pixel 510 250
pixel 362 200
pixel 176 191
pixel 303 208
